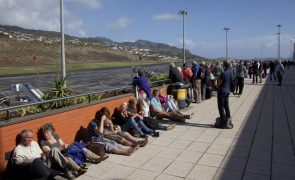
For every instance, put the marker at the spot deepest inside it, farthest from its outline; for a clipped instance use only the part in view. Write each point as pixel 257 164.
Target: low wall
pixel 66 124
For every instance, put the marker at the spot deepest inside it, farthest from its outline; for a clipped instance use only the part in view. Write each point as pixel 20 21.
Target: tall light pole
pixel 279 41
pixel 261 46
pixel 63 63
pixel 183 13
pixel 291 50
pixel 226 46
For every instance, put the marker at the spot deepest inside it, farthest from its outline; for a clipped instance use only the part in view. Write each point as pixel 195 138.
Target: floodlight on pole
pixel 291 50
pixel 261 46
pixel 63 64
pixel 183 13
pixel 226 44
pixel 279 41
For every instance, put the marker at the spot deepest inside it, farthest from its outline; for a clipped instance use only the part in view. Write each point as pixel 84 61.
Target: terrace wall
pixel 66 123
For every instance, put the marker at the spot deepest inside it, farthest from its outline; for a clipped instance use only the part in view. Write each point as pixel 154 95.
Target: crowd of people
pixel 130 125
pixel 202 79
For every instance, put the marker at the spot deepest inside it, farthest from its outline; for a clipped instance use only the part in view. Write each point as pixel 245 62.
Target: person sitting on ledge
pixel 28 154
pixel 158 110
pixel 148 120
pixel 51 142
pixel 121 118
pixel 95 134
pixel 114 132
pixel 132 113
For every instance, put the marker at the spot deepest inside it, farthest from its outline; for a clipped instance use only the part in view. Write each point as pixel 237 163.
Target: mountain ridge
pixel 93 49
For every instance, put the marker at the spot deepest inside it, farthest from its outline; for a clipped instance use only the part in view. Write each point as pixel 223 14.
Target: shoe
pixel 156 134
pixel 218 126
pixel 188 116
pixel 172 126
pixel 82 171
pixel 101 158
pixel 180 120
pixel 144 136
pixel 69 175
pixel 142 143
pixel 229 126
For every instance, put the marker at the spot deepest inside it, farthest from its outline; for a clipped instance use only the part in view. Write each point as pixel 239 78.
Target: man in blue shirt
pixel 223 91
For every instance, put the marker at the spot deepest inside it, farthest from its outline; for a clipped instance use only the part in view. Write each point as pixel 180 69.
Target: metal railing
pixel 7 110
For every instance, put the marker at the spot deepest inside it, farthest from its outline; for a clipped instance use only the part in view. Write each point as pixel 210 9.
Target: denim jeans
pixel 171 105
pixel 223 107
pixel 131 124
pixel 144 127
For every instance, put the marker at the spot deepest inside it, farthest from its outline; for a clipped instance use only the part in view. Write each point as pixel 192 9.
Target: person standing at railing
pixel 196 81
pixel 144 91
pixel 187 76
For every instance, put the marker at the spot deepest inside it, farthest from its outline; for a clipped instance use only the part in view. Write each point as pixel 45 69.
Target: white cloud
pixel 166 16
pixel 188 43
pixel 82 33
pixel 74 24
pixel 43 14
pixel 35 14
pixel 93 4
pixel 121 23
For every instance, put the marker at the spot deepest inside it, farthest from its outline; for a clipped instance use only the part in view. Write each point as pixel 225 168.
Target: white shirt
pixel 26 154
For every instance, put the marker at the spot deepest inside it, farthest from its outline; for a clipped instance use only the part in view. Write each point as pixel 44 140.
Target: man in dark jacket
pixel 223 91
pixel 174 74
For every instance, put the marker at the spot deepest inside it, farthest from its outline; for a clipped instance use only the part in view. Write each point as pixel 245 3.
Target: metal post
pixel 261 46
pixel 63 64
pixel 226 44
pixel 291 48
pixel 183 13
pixel 279 41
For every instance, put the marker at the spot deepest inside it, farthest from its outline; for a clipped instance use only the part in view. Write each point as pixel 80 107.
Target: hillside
pixel 18 45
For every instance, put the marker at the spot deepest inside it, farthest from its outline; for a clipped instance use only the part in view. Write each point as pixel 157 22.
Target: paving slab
pixel 201 172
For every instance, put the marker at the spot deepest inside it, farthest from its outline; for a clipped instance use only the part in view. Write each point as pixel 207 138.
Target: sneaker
pixel 156 134
pixel 144 136
pixel 142 143
pixel 188 116
pixel 172 126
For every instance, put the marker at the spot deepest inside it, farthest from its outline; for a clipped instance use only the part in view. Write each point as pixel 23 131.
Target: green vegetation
pixel 10 70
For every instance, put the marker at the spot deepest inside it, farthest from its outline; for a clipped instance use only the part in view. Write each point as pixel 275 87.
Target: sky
pixel 252 23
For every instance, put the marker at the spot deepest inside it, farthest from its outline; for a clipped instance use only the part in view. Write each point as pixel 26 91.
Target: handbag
pixel 97 148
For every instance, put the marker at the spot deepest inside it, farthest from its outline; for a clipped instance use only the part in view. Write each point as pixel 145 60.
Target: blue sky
pixel 252 22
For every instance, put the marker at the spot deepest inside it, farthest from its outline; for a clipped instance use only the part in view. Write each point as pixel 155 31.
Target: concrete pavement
pixel 260 146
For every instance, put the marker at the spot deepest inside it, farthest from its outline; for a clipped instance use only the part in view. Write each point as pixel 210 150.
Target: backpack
pixel 75 152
